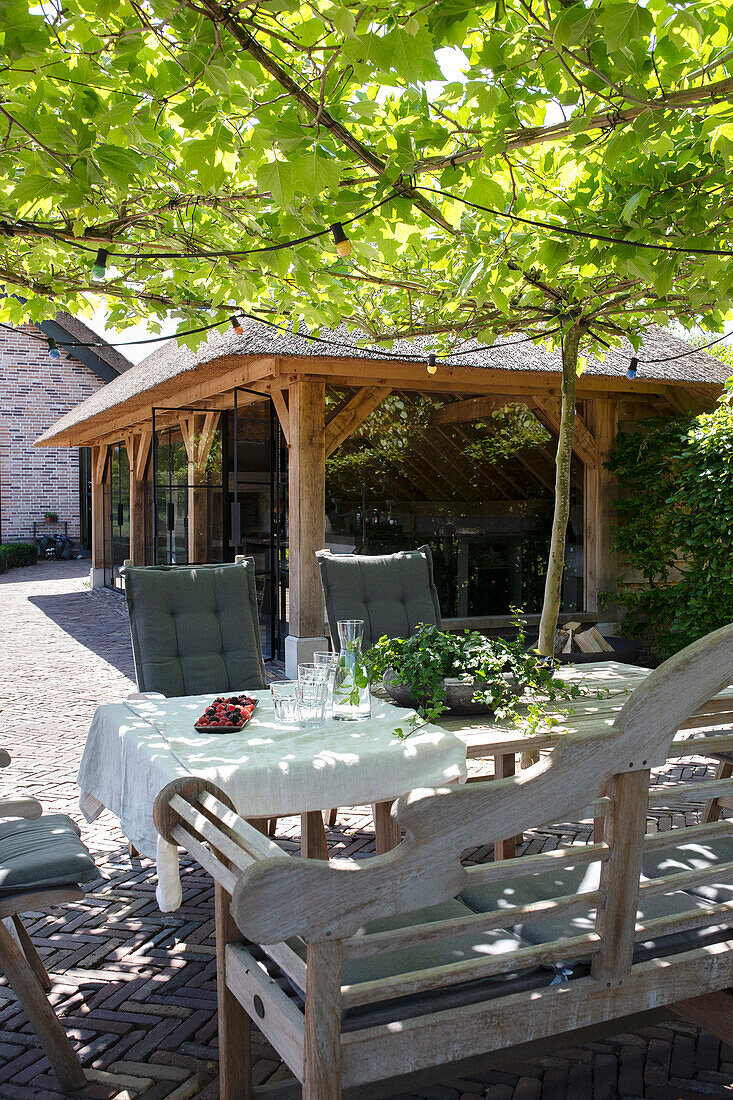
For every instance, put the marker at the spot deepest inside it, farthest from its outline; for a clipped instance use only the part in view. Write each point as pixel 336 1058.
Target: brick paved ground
pixel 135 988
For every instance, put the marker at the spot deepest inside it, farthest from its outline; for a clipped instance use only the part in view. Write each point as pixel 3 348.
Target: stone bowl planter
pixel 459 698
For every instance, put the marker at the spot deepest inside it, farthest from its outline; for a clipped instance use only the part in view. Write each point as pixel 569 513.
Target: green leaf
pixel 413 55
pixel 313 174
pixel 277 176
pixel 624 24
pixel 121 166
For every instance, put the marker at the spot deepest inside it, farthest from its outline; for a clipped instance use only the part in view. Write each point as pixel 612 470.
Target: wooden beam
pixel 143 453
pixel 99 466
pixel 599 506
pixel 475 408
pixel 138 448
pixel 584 445
pixel 307 405
pixel 280 402
pixel 354 413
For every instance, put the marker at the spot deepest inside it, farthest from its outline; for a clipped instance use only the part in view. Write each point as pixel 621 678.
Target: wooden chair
pixel 359 971
pixel 42 863
pixel 392 593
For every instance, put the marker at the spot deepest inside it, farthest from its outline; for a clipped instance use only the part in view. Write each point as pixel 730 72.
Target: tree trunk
pixel 563 460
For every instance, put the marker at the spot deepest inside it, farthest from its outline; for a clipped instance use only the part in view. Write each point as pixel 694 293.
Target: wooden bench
pixel 362 971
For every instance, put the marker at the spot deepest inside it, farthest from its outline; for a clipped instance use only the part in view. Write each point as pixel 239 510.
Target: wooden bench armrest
pixel 199 817
pixel 21 806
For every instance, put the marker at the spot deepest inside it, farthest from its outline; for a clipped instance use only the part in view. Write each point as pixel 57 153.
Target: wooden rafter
pixel 99 464
pixel 280 401
pixel 475 408
pixel 584 444
pixel 347 419
pixel 198 431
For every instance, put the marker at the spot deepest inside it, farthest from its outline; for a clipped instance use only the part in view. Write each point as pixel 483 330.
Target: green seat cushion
pixel 690 855
pixel 195 629
pixel 392 593
pixel 387 964
pixel 37 855
pixel 570 881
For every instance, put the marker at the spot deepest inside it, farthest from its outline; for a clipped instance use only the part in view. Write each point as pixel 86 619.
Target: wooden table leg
pixel 505 764
pixel 235 1058
pixel 386 830
pixel 313 836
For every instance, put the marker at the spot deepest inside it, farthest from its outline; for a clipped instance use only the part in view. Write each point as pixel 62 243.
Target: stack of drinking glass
pixel 332 685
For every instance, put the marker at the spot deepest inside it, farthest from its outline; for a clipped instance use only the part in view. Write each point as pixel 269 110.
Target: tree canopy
pixel 197 127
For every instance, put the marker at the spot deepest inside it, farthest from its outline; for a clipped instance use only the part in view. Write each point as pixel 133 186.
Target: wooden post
pixel 307 472
pixel 198 432
pixel 322 1045
pixel 624 833
pixel 138 451
pixel 601 490
pixel 235 1054
pixel 99 466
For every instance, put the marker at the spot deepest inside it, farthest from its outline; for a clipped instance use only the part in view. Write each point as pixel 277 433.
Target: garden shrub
pixel 676 526
pixel 13 554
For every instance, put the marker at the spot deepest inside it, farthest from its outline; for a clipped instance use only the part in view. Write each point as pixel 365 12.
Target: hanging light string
pixel 568 231
pixel 341 241
pixel 102 255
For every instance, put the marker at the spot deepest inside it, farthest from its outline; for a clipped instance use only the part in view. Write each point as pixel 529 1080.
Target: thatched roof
pixel 172 360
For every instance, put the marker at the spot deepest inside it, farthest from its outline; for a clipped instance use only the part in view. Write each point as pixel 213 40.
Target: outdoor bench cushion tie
pixel 40 854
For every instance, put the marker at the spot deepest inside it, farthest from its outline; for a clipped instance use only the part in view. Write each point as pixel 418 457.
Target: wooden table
pixel 504 740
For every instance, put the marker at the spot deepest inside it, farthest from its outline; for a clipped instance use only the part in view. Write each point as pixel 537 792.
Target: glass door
pixel 188 486
pixel 117 516
pixel 256 504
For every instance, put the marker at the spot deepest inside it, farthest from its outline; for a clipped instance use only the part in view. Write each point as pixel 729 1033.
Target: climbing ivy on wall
pixel 676 526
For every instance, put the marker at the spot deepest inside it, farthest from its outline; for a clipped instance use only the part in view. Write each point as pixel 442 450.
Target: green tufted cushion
pixel 195 629
pixel 392 593
pixel 40 854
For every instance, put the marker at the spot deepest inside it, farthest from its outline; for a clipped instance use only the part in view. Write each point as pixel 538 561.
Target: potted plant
pixel 434 672
pixel 51 517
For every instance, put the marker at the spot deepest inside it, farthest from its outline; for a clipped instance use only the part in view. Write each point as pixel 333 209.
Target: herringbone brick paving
pixel 135 988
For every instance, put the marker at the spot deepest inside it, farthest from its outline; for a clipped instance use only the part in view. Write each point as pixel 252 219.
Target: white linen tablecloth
pixel 135 748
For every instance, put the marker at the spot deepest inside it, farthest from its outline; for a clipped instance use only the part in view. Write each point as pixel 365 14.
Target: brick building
pixel 35 390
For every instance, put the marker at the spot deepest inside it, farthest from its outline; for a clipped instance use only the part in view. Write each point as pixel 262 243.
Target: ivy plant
pixel 675 527
pixel 502 671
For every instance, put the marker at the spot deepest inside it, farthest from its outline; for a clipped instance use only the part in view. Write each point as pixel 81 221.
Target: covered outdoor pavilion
pixel 301 399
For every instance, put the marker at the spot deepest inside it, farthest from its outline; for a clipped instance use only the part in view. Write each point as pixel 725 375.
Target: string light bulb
pixel 432 365
pixel 237 325
pixel 342 242
pixel 631 372
pixel 99 267
pixel 53 350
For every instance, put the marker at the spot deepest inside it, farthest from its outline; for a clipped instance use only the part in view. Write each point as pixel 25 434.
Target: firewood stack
pixel 573 638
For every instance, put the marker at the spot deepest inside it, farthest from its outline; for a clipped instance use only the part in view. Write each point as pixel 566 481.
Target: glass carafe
pixel 351 701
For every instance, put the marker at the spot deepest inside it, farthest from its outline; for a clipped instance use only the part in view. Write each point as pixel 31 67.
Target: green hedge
pixel 17 553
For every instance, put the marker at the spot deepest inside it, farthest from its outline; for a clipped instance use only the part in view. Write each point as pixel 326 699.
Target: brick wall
pixel 35 391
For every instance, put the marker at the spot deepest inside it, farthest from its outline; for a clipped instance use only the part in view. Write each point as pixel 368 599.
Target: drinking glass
pixel 330 660
pixel 312 692
pixel 285 701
